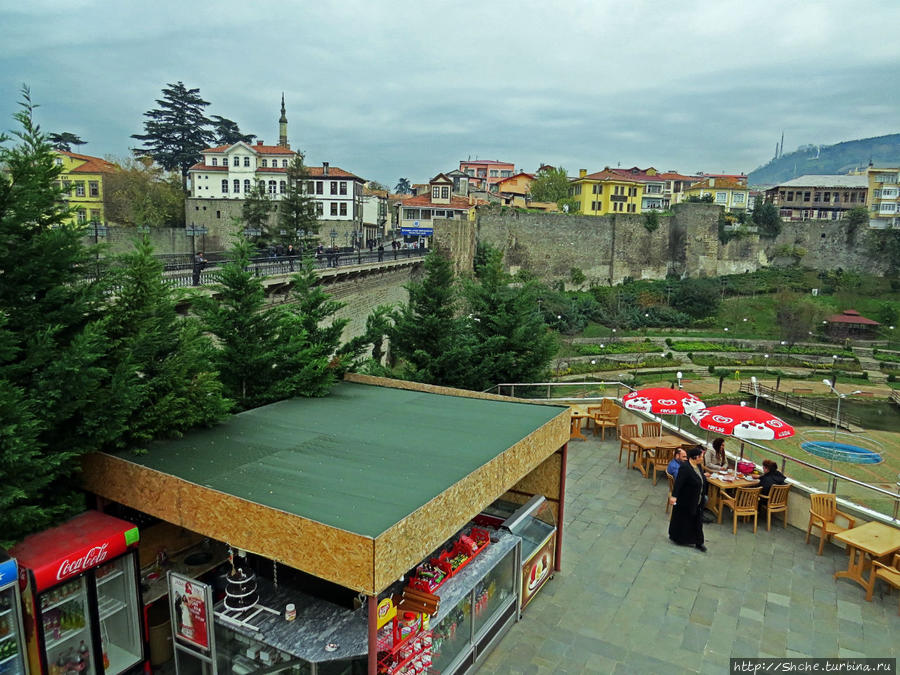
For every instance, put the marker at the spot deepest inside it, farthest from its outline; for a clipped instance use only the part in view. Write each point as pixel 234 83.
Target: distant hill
pixel 825 159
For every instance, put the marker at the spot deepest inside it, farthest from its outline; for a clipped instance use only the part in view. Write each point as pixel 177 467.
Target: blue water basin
pixel 842 452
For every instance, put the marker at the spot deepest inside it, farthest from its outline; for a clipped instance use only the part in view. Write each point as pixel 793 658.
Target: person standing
pixel 291 254
pixel 199 265
pixel 380 252
pixel 688 499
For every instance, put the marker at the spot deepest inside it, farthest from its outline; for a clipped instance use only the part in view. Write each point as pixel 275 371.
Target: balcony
pixel 628 600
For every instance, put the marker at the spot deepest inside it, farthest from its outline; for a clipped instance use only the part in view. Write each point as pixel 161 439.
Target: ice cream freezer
pixel 535 524
pixel 12 637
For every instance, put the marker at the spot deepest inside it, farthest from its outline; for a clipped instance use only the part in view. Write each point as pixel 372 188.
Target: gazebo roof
pixel 851 316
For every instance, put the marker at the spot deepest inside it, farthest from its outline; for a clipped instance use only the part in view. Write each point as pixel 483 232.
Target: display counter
pixel 534 523
pixel 476 606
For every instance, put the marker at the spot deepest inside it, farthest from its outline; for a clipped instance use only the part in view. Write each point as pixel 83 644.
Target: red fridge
pixel 81 597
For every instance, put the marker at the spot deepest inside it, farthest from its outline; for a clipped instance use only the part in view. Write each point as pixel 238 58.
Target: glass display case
pixel 238 654
pixel 535 523
pixel 12 643
pixel 120 630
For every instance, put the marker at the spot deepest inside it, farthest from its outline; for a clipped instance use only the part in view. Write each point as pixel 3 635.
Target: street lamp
pixel 755 390
pixel 840 397
pixel 333 234
pixel 193 231
pixel 678 376
pixel 766 362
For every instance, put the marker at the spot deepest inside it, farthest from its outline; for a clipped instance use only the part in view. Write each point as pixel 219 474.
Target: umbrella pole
pixel 742 457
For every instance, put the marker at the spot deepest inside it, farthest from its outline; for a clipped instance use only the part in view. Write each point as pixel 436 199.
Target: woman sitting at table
pixel 771 476
pixel 688 499
pixel 715 459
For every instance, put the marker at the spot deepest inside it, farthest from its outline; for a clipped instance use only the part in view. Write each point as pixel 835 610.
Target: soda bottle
pixel 83 655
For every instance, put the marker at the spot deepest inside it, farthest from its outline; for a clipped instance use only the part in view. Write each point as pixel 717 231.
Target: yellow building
pixel 606 192
pixel 82 180
pixel 883 198
pixel 732 194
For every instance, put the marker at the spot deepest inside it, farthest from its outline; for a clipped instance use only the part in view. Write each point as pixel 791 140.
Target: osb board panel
pixel 435 389
pixel 413 538
pixel 544 479
pixel 325 552
pixel 167 536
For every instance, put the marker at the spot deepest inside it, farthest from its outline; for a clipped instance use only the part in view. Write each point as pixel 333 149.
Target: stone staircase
pixel 870 365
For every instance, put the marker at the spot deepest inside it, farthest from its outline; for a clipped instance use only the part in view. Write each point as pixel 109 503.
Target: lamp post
pixel 840 397
pixel 678 376
pixel 755 390
pixel 333 234
pixel 766 362
pixel 193 231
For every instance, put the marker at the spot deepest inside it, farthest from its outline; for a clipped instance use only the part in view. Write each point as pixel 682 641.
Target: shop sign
pixel 78 561
pixel 417 231
pixel 190 603
pixel 537 569
pixel 386 611
pixel 8 572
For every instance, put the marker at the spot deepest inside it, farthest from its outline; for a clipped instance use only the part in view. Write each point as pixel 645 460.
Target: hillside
pixel 825 159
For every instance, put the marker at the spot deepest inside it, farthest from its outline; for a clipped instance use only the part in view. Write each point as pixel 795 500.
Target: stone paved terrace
pixel 630 601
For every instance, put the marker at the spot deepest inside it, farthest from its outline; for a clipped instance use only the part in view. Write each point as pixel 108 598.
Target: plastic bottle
pixel 84 656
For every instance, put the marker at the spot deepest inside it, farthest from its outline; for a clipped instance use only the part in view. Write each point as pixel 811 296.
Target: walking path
pixel 629 601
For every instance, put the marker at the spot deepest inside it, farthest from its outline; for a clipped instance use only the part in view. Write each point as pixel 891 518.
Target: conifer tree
pixel 178 386
pixel 427 335
pixel 297 210
pixel 54 367
pixel 255 213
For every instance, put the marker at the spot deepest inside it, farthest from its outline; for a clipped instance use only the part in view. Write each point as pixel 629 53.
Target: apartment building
pixel 818 197
pixel 883 198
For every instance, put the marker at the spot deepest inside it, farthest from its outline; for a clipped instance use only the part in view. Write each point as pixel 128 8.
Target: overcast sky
pixel 409 88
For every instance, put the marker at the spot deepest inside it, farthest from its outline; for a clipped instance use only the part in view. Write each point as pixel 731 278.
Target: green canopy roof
pixel 361 459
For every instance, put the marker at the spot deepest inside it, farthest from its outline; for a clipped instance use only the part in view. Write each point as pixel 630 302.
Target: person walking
pixel 380 252
pixel 688 499
pixel 291 254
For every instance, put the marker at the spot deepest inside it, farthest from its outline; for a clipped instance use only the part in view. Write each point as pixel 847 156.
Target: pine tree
pixel 228 132
pixel 176 132
pixel 178 385
pixel 513 342
pixel 255 213
pixel 65 141
pixel 54 368
pixel 427 335
pixel 297 210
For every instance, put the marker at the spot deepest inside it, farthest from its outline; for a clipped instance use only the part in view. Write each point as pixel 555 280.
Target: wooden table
pixel 575 430
pixel 715 504
pixel 875 539
pixel 649 443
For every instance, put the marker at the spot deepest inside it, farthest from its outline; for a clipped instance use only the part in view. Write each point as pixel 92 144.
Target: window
pixel 58 161
pixel 594 206
pixel 82 217
pixel 237 185
pixel 318 187
pixel 632 208
pixel 224 161
pixel 95 216
pixel 94 187
pixel 632 192
pixel 410 214
pixel 852 197
pixel 343 208
pixel 262 186
pixel 597 189
pixel 445 192
pixel 218 214
pixel 506 174
pixel 215 162
pixel 817 196
pixel 282 185
pixel 224 185
pixel 320 208
pixel 721 198
pixel 273 187
pixel 79 188
pixel 806 196
pixel 790 196
pixel 435 192
pixel 334 187
pixel 738 197
pixel 494 173
pixel 334 208
pixel 781 195
pixel 426 214
pixel 578 189
pixel 284 164
pixel 247 185
pixel 246 161
pixel 827 197
pixel 343 188
pixel 470 172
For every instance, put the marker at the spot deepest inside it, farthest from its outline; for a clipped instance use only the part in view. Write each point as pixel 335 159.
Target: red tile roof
pixel 851 316
pixel 672 175
pixel 521 173
pixel 200 166
pixel 463 162
pixel 608 174
pixel 721 183
pixel 314 171
pixel 261 149
pixel 91 164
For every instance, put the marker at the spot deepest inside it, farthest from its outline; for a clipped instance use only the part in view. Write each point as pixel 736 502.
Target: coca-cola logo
pixel 94 556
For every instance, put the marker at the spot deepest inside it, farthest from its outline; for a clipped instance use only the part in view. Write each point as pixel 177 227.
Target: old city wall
pixel 610 248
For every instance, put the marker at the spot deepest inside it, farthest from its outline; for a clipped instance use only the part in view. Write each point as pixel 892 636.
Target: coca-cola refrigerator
pixel 12 640
pixel 81 597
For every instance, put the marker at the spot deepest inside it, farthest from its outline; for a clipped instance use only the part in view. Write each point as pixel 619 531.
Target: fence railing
pixel 820 410
pixel 877 502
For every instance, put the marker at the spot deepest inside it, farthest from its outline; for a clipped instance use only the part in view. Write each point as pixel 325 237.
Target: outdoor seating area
pixel 624 585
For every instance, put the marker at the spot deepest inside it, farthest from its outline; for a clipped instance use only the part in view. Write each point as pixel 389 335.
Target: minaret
pixel 282 127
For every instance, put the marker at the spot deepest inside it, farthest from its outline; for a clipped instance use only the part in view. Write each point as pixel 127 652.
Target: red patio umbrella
pixel 662 401
pixel 743 422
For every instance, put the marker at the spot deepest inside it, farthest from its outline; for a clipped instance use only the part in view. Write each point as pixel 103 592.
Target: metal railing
pixel 826 479
pixel 820 410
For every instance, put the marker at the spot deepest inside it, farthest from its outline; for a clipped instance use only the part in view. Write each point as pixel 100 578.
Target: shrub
pixel 690 356
pixel 711 368
pixel 669 341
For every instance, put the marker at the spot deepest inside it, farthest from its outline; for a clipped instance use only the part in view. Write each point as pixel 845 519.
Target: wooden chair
pixel 890 574
pixel 744 504
pixel 605 417
pixel 671 480
pixel 661 461
pixel 775 502
pixel 822 512
pixel 626 433
pixel 651 429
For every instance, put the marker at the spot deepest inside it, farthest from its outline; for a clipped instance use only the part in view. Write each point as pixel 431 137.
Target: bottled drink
pixel 83 655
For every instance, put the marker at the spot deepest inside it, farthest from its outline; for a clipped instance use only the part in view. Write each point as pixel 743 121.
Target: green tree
pixel 257 207
pixel 551 184
pixel 855 218
pixel 403 186
pixel 53 350
pixel 173 360
pixel 297 210
pixel 511 341
pixel 651 221
pixel 428 337
pixel 178 130
pixel 696 297
pixel 64 141
pixel 227 132
pixel 887 314
pixel 884 247
pixel 766 218
pixel 141 192
pixel 694 199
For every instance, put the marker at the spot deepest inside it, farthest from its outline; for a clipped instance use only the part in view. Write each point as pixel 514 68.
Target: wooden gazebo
pixel 850 323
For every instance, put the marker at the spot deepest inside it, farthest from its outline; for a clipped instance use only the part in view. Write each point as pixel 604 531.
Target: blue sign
pixel 418 231
pixel 8 572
